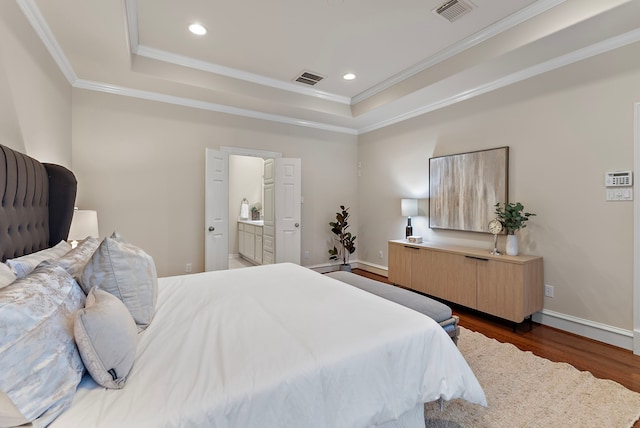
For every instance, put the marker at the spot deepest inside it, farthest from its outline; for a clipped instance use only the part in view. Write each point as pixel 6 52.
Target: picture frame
pixel 464 188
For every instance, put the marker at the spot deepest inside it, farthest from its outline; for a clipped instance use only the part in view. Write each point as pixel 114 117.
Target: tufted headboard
pixel 37 204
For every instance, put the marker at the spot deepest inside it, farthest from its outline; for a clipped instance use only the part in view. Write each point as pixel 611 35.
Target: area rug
pixel 524 390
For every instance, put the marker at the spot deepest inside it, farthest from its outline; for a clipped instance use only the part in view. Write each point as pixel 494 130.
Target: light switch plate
pixel 619 194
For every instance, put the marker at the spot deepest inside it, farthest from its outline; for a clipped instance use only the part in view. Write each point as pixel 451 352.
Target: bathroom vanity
pixel 250 234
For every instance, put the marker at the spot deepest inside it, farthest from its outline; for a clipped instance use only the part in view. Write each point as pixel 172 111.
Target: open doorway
pixel 246 211
pixel 281 210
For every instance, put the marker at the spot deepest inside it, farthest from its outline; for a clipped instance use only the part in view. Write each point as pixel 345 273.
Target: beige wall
pixel 35 98
pixel 140 164
pixel 565 129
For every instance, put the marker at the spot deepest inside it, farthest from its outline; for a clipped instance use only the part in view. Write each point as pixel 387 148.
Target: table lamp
pixel 83 224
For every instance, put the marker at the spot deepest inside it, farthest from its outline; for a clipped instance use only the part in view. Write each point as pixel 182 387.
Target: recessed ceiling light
pixel 349 76
pixel 197 29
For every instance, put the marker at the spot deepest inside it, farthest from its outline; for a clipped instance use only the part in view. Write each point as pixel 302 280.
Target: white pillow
pixel 41 366
pixel 107 338
pixel 22 266
pixel 128 273
pixel 6 275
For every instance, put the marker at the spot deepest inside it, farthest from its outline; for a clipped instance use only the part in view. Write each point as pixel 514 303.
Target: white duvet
pixel 277 346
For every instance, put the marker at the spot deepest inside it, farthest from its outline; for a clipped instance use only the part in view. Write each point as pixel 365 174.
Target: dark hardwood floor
pixel 602 360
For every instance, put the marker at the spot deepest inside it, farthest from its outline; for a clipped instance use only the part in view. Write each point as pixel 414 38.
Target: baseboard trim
pixel 373 268
pixel 593 330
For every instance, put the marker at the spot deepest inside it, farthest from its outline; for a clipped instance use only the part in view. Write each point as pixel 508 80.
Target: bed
pixel 267 346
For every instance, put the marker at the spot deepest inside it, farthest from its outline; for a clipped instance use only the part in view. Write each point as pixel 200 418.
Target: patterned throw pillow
pixel 107 338
pixel 76 259
pixel 128 273
pixel 6 275
pixel 41 364
pixel 22 266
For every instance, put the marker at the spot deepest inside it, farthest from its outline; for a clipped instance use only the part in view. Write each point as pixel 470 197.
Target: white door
pixel 216 227
pixel 288 202
pixel 268 211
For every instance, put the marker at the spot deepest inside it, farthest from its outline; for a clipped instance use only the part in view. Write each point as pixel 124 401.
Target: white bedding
pixel 277 346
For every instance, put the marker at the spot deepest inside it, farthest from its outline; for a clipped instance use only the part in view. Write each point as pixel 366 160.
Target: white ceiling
pixel 407 59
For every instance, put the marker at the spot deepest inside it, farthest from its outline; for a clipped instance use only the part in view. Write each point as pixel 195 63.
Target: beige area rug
pixel 524 390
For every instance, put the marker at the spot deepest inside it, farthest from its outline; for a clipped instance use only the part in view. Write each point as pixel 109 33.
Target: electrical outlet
pixel 381 255
pixel 306 255
pixel 187 268
pixel 548 290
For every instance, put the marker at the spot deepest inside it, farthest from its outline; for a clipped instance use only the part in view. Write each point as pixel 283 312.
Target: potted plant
pixel 344 242
pixel 513 218
pixel 255 211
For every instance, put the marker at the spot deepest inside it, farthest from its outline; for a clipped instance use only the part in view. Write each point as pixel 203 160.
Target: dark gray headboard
pixel 37 204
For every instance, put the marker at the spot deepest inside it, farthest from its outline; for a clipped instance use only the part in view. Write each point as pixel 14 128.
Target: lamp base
pixel 408 231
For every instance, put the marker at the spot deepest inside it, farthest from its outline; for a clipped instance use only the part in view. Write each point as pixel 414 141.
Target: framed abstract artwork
pixel 464 188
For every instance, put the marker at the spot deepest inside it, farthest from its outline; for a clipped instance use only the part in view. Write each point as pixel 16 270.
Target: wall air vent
pixel 453 9
pixel 308 78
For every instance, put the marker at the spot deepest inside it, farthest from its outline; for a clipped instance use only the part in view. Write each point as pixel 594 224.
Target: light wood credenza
pixel 509 287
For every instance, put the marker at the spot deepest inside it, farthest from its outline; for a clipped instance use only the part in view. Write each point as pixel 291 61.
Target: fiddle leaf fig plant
pixel 512 216
pixel 344 241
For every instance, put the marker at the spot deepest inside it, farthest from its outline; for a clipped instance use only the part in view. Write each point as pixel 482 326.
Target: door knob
pixel 211 228
pixel 297 225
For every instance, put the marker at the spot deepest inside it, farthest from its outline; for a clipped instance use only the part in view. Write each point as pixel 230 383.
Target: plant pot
pixel 512 245
pixel 346 268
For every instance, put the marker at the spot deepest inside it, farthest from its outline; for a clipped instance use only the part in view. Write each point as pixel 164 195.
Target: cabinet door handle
pixel 477 258
pixel 411 248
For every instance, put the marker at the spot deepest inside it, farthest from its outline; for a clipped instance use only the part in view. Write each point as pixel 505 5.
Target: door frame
pixel 636 232
pixel 240 151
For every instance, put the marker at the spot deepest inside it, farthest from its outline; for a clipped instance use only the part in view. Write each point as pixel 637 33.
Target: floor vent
pixel 453 9
pixel 308 78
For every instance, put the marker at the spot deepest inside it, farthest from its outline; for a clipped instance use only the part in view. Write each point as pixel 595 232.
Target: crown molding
pixel 189 62
pixel 546 66
pixel 505 24
pixel 37 21
pixel 131 8
pixel 204 105
pixel 33 15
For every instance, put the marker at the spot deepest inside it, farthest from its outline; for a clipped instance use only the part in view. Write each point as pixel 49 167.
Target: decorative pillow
pixel 128 273
pixel 107 338
pixel 76 259
pixel 6 275
pixel 22 266
pixel 41 364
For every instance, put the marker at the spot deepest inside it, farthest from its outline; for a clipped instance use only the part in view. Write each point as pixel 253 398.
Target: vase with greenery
pixel 513 218
pixel 344 241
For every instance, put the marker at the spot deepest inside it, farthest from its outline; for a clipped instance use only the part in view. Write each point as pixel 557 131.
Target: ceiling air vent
pixel 452 9
pixel 308 78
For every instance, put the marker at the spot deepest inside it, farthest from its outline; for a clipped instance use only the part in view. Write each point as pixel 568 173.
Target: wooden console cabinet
pixel 509 287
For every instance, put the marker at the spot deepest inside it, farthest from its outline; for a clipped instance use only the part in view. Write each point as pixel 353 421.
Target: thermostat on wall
pixel 620 178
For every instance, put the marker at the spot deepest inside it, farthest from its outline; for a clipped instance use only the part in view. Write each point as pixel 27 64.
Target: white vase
pixel 512 245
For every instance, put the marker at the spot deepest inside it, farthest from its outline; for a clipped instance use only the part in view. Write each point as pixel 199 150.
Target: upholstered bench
pixel 440 312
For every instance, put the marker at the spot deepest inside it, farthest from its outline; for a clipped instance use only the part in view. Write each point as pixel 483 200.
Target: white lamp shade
pixel 409 207
pixel 83 224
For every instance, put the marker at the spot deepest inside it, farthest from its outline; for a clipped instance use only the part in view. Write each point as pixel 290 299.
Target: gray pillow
pixel 128 273
pixel 41 366
pixel 107 338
